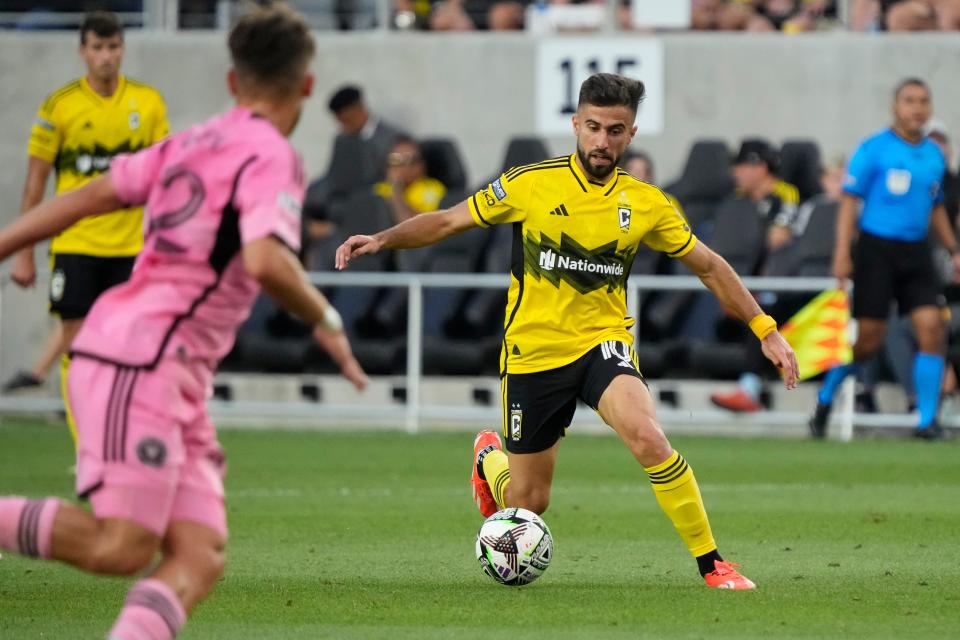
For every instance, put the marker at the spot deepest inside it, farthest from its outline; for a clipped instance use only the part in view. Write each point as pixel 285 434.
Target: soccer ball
pixel 514 546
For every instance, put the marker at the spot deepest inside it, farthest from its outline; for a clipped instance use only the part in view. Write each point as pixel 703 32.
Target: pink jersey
pixel 208 191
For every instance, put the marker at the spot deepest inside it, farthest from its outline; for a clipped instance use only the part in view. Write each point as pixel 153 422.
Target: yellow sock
pixel 679 496
pixel 496 469
pixel 64 371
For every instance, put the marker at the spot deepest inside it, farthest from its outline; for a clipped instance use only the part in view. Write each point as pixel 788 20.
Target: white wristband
pixel 331 319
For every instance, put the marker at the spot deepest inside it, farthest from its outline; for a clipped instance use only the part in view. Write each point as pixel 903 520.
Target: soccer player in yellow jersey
pixel 78 129
pixel 578 222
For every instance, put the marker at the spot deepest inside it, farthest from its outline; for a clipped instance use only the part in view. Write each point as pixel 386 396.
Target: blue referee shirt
pixel 899 182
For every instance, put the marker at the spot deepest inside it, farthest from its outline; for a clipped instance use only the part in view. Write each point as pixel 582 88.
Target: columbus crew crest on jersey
pixel 623 213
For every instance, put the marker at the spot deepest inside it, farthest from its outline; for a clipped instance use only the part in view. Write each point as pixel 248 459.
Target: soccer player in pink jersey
pixel 222 220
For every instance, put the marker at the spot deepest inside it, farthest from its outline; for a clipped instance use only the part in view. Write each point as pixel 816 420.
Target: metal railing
pixel 415 411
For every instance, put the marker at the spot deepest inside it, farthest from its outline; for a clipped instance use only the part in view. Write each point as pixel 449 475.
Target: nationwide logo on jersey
pixel 89 161
pixel 583 269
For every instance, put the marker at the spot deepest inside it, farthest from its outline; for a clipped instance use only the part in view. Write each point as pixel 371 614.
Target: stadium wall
pixel 479 89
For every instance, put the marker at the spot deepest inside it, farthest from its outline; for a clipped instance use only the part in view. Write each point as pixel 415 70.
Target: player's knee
pixel 121 554
pixel 216 562
pixel 930 337
pixel 646 441
pixel 534 499
pixel 868 343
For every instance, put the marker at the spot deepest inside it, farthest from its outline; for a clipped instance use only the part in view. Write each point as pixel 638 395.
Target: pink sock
pixel 26 526
pixel 152 612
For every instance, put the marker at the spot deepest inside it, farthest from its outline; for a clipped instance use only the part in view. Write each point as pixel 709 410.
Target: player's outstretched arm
pixel 24 269
pixel 419 231
pixel 52 216
pixel 277 270
pixel 717 274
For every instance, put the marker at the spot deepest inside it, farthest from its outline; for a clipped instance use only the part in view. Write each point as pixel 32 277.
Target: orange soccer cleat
pixel 726 576
pixel 485 442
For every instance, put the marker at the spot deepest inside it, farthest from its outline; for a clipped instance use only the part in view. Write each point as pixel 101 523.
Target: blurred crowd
pixel 787 16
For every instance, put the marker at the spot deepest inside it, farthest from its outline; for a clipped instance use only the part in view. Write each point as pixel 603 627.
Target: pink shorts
pixel 148 451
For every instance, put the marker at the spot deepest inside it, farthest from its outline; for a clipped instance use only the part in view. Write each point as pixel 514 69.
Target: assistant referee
pixel 897 175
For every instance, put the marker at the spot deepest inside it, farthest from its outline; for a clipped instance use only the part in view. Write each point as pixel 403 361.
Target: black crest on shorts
pixel 152 452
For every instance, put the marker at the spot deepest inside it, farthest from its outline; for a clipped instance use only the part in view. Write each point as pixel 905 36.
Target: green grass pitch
pixel 367 536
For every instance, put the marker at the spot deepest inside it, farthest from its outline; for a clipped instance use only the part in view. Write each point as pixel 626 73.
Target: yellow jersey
pixel 573 245
pixel 423 194
pixel 79 131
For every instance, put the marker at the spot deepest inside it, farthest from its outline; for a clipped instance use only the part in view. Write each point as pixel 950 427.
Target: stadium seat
pixel 706 175
pixel 444 162
pixel 815 246
pixel 739 238
pixel 800 166
pixel 524 150
pixel 482 314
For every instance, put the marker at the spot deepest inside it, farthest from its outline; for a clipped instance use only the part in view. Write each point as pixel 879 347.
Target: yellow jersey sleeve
pixel 502 201
pixel 45 134
pixel 676 204
pixel 161 128
pixel 670 233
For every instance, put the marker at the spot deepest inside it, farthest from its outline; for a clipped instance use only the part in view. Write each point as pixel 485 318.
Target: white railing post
pixel 848 388
pixel 161 14
pixel 414 352
pixel 384 15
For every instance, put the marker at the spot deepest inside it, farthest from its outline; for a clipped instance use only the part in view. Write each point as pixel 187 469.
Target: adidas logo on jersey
pixel 560 211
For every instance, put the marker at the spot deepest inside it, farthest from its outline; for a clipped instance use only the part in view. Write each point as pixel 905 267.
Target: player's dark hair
pixel 104 24
pixel 345 96
pixel 910 82
pixel 611 90
pixel 271 48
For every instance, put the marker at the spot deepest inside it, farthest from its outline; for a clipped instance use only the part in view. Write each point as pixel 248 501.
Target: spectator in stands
pixel 951 180
pixel 355 119
pixel 896 175
pixel 905 15
pixel 408 189
pixel 469 15
pixel 754 172
pixel 789 16
pixel 357 162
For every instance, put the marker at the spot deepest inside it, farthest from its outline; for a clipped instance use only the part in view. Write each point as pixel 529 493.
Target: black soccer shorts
pixel 538 407
pixel 892 270
pixel 76 281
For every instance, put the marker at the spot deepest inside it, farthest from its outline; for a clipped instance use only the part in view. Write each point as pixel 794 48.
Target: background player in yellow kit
pixel 77 131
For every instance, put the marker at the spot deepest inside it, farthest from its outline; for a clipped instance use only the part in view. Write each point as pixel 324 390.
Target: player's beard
pixel 598 172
